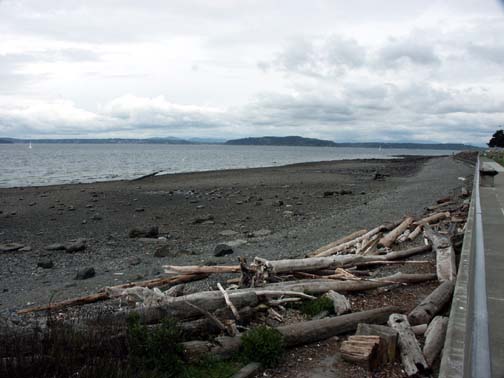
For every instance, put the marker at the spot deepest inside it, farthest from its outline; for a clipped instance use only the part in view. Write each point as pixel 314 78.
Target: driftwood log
pixel 388 346
pixel 432 304
pixel 391 237
pixel 445 255
pixel 363 350
pixel 342 240
pixel 104 295
pixel 293 334
pixel 411 355
pixel 434 338
pixel 341 247
pixel 433 218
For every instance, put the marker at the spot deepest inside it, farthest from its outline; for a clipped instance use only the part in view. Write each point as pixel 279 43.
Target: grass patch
pixel 210 368
pixel 263 344
pixel 316 306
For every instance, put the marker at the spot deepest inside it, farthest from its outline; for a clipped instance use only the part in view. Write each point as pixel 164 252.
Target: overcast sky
pixel 360 70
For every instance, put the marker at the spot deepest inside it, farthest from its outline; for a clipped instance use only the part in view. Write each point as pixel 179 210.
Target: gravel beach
pixel 269 212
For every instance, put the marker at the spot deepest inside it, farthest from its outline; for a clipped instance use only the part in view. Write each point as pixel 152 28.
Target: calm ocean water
pixel 47 164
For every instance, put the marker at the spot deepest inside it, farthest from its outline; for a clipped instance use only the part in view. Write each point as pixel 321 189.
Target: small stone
pixel 84 221
pixel 223 250
pixel 146 232
pixel 261 232
pixel 134 260
pixel 32 203
pixel 163 251
pixel 85 273
pixel 96 217
pixel 139 209
pixel 278 203
pixel 45 264
pixel 203 219
pixel 228 233
pixel 328 193
pixel 55 247
pixel 25 249
pixel 199 207
pixel 10 247
pixel 76 246
pixel 71 208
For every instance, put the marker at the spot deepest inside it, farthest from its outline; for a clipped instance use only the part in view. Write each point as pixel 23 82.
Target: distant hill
pixel 6 140
pixel 282 141
pixel 168 140
pixel 300 141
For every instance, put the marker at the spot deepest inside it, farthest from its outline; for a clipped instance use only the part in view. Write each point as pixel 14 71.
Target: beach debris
pixel 388 345
pixel 139 210
pixel 362 350
pixel 446 267
pixel 11 247
pixel 146 176
pixel 260 233
pixel 412 357
pixel 223 250
pixel 144 232
pixel 432 304
pixel 391 237
pixel 85 273
pixel 434 338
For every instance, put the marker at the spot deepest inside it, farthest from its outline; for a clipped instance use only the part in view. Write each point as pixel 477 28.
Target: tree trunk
pixel 411 355
pixel 432 304
pixel 434 338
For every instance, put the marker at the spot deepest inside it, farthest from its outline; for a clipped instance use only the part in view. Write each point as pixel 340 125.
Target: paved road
pixel 492 209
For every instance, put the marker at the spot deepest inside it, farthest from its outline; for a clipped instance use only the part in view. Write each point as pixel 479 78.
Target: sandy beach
pixel 269 212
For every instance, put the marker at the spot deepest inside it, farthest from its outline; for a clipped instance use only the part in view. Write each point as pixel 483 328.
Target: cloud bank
pixel 215 69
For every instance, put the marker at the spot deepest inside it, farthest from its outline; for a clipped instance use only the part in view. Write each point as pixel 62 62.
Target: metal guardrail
pixel 480 361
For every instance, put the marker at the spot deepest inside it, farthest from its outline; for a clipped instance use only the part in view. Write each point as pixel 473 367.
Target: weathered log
pixel 391 237
pixel 175 291
pixel 446 268
pixel 342 240
pixel 333 262
pixel 362 350
pixel 104 295
pixel 440 205
pixel 248 370
pixel 228 301
pixel 293 334
pixel 434 338
pixel 341 247
pixel 432 218
pixel 196 269
pixel 388 346
pixel 432 304
pixel 419 329
pixel 415 233
pixel 145 176
pixel 412 358
pixel 340 302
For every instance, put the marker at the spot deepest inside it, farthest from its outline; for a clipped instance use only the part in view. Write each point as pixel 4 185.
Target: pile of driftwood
pixel 343 266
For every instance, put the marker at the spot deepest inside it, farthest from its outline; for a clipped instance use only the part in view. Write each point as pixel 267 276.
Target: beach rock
pixel 147 232
pixel 344 192
pixel 45 264
pixel 328 193
pixel 236 243
pixel 10 247
pixel 223 250
pixel 203 219
pixel 278 203
pixel 260 233
pixel 96 217
pixel 55 247
pixel 139 209
pixel 134 260
pixel 85 273
pixel 25 249
pixel 163 251
pixel 228 233
pixel 76 246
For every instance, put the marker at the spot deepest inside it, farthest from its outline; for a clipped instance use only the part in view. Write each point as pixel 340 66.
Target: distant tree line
pixel 497 139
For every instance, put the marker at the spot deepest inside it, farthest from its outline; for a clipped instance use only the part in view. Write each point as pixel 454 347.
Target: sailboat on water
pixel 30 145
